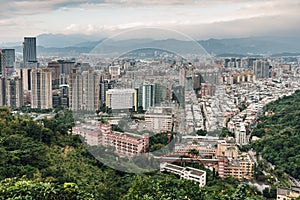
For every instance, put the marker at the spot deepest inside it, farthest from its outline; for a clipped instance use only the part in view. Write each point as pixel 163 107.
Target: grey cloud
pixel 14 8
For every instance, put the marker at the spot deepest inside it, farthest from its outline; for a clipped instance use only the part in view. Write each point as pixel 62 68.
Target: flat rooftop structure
pixel 188 173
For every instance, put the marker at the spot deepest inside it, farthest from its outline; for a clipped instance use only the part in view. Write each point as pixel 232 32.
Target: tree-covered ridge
pixel 280 132
pixel 40 160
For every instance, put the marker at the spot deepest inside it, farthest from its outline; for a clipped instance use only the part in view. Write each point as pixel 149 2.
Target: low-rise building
pixel 240 168
pixel 125 144
pixel 188 173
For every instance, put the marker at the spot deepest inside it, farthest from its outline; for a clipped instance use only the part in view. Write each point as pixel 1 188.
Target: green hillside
pixel 39 160
pixel 280 133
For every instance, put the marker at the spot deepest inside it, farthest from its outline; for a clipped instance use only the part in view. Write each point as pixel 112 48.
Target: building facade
pixel 90 94
pixel 29 51
pixel 121 99
pixel 159 119
pixel 146 96
pixel 54 67
pixel 11 92
pixel 189 173
pixel 9 55
pixel 240 168
pixel 84 90
pixel 41 92
pixel 14 92
pixel 2 64
pixel 125 144
pixel 261 69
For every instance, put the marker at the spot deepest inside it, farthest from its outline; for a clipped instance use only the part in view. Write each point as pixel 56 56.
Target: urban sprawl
pixel 197 97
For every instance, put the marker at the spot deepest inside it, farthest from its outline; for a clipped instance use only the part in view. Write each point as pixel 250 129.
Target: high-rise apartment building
pixel 65 66
pixel 11 92
pixel 90 84
pixel 25 74
pixel 9 55
pixel 29 51
pixel 2 64
pixel 75 90
pixel 41 91
pixel 84 90
pixel 54 67
pixel 261 69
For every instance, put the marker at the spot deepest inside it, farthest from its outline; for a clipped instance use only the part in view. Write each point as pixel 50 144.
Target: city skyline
pixel 198 19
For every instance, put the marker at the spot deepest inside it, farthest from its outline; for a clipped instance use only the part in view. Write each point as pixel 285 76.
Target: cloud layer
pixel 198 18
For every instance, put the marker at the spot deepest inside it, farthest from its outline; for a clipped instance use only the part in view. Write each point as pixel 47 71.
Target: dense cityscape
pixel 149 100
pixel 207 107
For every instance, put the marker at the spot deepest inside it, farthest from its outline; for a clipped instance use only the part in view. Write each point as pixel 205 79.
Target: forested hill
pixel 280 132
pixel 39 160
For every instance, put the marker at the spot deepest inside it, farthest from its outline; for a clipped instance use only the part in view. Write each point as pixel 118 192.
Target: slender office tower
pixel 29 51
pixel 29 62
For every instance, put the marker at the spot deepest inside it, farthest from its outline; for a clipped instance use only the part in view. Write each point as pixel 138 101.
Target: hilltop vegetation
pixel 280 133
pixel 40 160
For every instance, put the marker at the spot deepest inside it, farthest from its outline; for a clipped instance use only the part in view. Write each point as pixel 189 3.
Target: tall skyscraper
pixel 41 91
pixel 29 51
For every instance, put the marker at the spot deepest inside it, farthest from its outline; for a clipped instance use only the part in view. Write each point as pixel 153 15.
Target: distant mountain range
pixel 72 45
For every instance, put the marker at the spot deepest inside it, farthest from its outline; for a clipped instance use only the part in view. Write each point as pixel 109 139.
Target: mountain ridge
pixel 77 44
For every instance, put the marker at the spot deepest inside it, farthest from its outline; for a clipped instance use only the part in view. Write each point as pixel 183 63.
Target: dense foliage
pixel 37 190
pixel 40 160
pixel 280 133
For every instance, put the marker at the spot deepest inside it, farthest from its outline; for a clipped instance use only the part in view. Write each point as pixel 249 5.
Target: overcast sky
pixel 200 19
